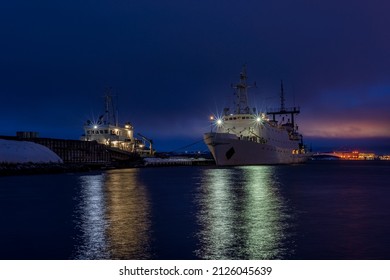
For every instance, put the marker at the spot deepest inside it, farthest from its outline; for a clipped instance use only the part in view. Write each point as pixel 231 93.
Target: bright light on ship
pixel 258 119
pixel 95 126
pixel 216 120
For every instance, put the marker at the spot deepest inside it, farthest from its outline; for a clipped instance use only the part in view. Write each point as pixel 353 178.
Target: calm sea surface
pixel 319 210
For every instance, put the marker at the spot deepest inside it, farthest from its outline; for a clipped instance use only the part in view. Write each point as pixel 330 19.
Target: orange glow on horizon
pixel 345 129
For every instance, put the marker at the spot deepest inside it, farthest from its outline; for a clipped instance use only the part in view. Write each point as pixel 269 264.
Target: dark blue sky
pixel 171 64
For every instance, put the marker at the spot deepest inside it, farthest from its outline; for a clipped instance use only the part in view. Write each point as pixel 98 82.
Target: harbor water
pixel 320 210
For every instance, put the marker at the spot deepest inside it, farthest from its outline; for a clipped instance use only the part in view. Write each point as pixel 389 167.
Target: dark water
pixel 320 210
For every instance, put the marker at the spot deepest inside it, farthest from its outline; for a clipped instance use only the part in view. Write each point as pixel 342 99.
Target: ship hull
pixel 228 149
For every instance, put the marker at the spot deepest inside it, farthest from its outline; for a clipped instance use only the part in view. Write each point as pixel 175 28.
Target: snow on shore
pixel 24 152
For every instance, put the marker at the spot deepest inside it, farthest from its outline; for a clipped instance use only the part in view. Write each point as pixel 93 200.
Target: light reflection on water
pixel 241 214
pixel 113 216
pixel 92 223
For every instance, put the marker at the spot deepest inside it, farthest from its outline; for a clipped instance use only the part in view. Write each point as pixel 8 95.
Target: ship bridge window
pixel 101 132
pixel 88 132
pixel 106 131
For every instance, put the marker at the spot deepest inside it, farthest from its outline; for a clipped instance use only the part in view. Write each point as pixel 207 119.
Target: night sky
pixel 171 65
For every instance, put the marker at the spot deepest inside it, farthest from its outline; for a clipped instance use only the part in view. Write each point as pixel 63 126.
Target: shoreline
pixel 16 169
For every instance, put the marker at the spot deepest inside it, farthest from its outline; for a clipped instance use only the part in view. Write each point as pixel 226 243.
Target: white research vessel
pixel 246 137
pixel 107 130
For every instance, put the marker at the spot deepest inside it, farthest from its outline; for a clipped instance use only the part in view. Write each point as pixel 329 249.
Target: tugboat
pixel 244 136
pixel 107 130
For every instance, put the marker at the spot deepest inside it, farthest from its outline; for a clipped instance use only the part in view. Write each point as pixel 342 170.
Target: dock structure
pixel 154 162
pixel 77 151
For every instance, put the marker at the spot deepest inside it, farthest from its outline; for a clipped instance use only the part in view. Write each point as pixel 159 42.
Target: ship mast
pixel 283 110
pixel 241 102
pixel 282 107
pixel 110 110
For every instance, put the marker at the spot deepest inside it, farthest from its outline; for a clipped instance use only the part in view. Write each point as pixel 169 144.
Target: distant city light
pixel 355 155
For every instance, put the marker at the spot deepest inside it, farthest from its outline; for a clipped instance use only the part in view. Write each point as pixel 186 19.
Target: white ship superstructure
pixel 107 130
pixel 244 136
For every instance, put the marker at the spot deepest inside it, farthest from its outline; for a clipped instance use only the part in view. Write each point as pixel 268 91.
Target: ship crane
pixel 150 141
